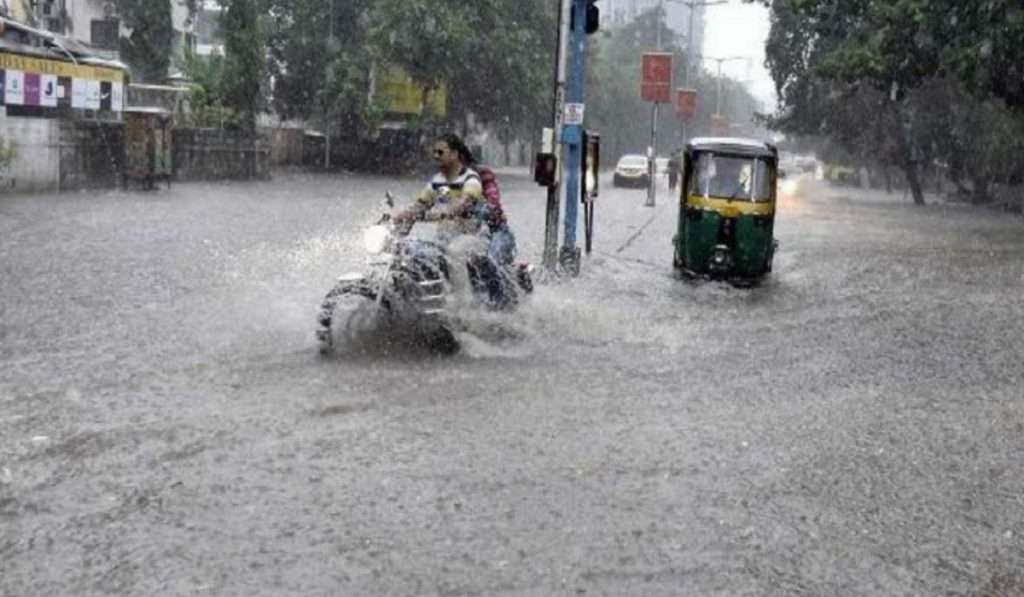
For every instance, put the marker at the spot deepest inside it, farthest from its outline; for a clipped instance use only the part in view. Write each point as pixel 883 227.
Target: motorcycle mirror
pixel 389 199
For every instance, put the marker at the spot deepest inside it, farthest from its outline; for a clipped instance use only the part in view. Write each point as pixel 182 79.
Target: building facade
pixel 94 23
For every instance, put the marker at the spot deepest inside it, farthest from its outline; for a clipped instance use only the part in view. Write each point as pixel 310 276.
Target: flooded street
pixel 852 426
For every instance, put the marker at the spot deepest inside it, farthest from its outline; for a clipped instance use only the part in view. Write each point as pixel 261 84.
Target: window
pixel 734 178
pixel 105 34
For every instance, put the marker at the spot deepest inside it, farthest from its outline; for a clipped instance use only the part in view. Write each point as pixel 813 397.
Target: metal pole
pixel 561 66
pixel 652 168
pixel 573 139
pixel 689 56
pixel 718 96
pixel 692 5
pixel 661 12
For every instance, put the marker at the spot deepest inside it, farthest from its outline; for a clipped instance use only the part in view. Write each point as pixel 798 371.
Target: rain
pixel 262 332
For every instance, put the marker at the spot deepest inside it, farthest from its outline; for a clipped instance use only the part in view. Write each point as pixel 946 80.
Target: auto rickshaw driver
pixel 727 178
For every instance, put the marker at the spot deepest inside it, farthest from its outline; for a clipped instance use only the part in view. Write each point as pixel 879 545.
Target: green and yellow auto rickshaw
pixel 727 209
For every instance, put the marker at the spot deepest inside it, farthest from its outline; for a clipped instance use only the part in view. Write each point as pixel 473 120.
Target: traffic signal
pixel 591 165
pixel 545 169
pixel 593 17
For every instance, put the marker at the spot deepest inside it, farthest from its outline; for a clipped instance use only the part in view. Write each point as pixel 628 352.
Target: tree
pixel 207 90
pixel 148 48
pixel 868 73
pixel 245 60
pixel 614 105
pixel 981 43
pixel 840 70
pixel 318 75
pixel 494 60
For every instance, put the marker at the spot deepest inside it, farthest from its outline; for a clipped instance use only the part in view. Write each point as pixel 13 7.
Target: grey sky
pixel 741 29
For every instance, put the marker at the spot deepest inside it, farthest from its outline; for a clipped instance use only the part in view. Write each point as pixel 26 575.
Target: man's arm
pixel 418 210
pixel 472 198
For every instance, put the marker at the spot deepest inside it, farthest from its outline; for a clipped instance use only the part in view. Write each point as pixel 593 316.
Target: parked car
pixel 631 171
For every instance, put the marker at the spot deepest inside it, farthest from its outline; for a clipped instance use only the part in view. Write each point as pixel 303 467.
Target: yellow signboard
pixel 59 68
pixel 399 94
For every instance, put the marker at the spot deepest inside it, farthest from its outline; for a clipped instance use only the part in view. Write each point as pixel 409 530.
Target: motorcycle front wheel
pixel 347 314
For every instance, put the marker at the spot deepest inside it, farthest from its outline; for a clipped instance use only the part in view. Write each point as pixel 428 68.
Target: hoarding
pixel 686 104
pixel 397 93
pixel 656 78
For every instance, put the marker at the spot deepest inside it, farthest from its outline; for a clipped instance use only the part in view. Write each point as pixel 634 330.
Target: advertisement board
pixel 656 78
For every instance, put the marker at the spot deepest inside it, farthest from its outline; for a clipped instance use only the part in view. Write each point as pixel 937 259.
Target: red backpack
pixel 492 193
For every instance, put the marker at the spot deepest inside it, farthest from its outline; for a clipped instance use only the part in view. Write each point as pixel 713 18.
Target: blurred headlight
pixel 789 187
pixel 376 239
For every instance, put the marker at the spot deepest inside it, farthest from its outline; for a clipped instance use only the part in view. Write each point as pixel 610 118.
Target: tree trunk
pixel 914 180
pixel 981 192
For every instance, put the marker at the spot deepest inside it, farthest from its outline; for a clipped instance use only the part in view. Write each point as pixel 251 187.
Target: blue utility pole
pixel 572 135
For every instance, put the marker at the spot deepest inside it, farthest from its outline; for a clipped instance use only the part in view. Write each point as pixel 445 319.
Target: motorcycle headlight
pixel 376 239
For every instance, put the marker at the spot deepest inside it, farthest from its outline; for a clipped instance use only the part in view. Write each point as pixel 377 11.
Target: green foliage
pixel 904 81
pixel 8 153
pixel 245 62
pixel 149 47
pixel 495 59
pixel 206 98
pixel 981 141
pixel 981 43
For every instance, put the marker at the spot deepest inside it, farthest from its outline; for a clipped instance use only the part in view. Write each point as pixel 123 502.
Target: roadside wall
pixel 92 154
pixel 37 145
pixel 286 146
pixel 209 154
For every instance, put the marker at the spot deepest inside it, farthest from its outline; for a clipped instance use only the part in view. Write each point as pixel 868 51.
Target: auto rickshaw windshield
pixel 731 177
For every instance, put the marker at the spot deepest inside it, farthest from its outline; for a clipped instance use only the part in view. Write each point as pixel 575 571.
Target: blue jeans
pixel 502 248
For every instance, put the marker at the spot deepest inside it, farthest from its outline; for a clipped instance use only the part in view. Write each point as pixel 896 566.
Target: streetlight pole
pixel 652 157
pixel 652 169
pixel 693 5
pixel 718 85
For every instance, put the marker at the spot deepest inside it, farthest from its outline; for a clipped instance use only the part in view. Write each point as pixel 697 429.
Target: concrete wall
pixel 215 154
pixel 286 145
pixel 55 155
pixel 37 144
pixel 92 154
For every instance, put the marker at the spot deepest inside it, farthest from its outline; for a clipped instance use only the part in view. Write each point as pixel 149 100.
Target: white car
pixel 631 171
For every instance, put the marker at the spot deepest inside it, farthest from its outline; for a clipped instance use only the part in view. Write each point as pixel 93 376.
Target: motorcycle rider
pixel 455 191
pixel 454 198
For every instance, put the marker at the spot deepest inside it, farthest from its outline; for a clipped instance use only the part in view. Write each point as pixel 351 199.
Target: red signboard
pixel 686 104
pixel 656 82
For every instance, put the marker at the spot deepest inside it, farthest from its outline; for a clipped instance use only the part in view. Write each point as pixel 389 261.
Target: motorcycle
pixel 409 282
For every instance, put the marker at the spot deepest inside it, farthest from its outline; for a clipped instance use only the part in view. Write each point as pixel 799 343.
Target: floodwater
pixel 853 425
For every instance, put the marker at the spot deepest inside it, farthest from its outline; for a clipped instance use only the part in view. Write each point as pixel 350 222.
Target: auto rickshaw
pixel 727 210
